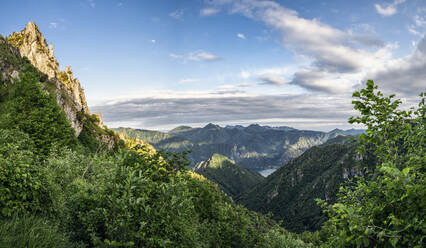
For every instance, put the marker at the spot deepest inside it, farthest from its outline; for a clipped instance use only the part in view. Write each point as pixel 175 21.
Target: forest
pixel 59 190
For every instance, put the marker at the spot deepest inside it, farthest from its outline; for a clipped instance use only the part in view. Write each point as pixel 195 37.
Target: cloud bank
pixel 172 109
pixel 337 56
pixel 340 60
pixel 336 62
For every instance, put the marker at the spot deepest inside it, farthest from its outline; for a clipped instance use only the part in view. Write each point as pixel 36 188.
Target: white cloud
pixel 273 80
pixel 272 71
pixel 153 41
pixel 166 110
pixel 208 11
pixel 412 30
pixel 235 86
pixel 241 36
pixel 385 11
pixel 199 55
pixel 388 9
pixel 189 80
pixel 283 71
pixel 418 26
pixel 419 21
pixel 406 75
pixel 177 14
pixel 245 74
pixel 175 56
pixel 339 59
pixel 53 25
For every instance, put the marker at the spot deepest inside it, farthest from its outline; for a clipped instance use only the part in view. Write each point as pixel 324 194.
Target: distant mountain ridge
pixel 254 147
pixel 282 128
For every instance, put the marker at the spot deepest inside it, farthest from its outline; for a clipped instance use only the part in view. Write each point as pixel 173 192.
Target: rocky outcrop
pixel 69 93
pixel 8 68
pixel 32 45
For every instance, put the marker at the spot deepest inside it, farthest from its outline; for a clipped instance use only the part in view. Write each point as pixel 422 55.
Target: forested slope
pixel 231 178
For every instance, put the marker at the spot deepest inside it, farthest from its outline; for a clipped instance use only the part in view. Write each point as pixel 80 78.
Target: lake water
pixel 267 172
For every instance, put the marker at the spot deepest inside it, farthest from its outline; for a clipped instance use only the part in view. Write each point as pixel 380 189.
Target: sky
pixel 163 63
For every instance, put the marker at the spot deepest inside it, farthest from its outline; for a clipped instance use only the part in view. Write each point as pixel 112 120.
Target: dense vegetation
pixel 56 192
pixel 387 207
pixel 383 206
pixel 230 177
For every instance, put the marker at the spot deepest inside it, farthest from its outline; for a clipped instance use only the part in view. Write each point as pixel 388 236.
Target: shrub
pixel 133 206
pixel 29 231
pixel 21 179
pixel 387 208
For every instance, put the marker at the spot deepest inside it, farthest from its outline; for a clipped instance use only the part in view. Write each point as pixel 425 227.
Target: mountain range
pixel 66 180
pixel 254 147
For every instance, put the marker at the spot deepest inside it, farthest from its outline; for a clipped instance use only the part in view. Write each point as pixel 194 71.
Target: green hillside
pixel 231 178
pixel 66 180
pixel 60 189
pixel 290 192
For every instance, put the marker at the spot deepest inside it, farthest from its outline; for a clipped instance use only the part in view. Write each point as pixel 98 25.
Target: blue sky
pixel 159 64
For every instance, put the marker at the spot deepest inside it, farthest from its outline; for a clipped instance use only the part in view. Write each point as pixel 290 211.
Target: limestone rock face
pixel 32 44
pixel 69 94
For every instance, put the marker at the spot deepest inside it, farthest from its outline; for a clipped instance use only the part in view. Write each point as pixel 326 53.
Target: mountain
pixel 282 128
pixel 351 132
pixel 340 139
pixel 254 147
pixel 231 178
pixel 58 181
pixel 290 192
pixel 22 51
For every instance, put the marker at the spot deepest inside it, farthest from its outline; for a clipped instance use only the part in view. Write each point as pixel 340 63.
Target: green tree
pixel 21 180
pixel 386 208
pixel 27 107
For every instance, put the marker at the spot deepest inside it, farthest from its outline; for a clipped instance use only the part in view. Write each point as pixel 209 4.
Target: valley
pixel 254 147
pixel 67 180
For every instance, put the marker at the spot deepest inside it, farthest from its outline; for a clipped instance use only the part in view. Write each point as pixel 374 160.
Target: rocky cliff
pixel 69 93
pixel 29 48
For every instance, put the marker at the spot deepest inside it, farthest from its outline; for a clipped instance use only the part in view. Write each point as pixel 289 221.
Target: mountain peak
pixel 32 44
pixel 211 126
pixel 215 161
pixel 180 129
pixel 256 128
pixel 32 27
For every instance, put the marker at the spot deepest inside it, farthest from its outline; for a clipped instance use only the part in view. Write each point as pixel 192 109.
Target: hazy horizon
pixel 161 64
pixel 199 125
